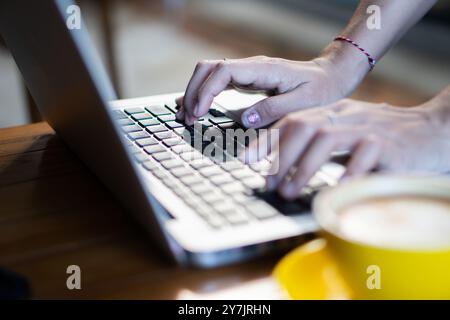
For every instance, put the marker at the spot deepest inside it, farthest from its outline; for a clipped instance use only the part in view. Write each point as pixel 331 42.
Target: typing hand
pixel 295 85
pixel 379 136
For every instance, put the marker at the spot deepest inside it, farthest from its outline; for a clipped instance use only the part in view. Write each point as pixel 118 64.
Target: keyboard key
pixel 172 106
pixel 149 122
pixel 141 157
pixel 332 171
pixel 216 113
pixel 192 200
pixel 261 166
pixel 218 155
pixel 158 110
pixel 206 123
pixel 260 209
pixel 191 180
pixel 317 182
pixel 167 117
pixel 134 110
pixel 165 135
pixel 181 148
pixel 170 183
pixel 181 172
pixel 241 197
pixel 161 156
pixel 212 197
pixel 220 120
pixel 180 131
pixel 190 156
pixel 210 171
pixel 229 125
pixel 221 179
pixel 128 142
pixel 172 163
pixel 160 174
pixel 154 149
pixel 233 188
pixel 138 135
pixel 223 206
pixel 201 163
pixel 171 142
pixel 141 116
pixel 146 142
pixel 254 183
pixel 213 219
pixel 181 191
pixel 133 149
pixel 150 165
pixel 125 122
pixel 117 114
pixel 201 188
pixel 131 128
pixel 174 124
pixel 243 174
pixel 232 165
pixel 235 216
pixel 157 128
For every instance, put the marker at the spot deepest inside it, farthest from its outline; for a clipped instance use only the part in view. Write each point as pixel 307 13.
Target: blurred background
pixel 151 46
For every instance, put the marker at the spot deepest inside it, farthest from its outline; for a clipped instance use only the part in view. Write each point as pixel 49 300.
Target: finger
pixel 180 112
pixel 292 144
pixel 269 110
pixel 180 115
pixel 202 71
pixel 188 119
pixel 179 101
pixel 365 157
pixel 266 143
pixel 253 73
pixel 315 155
pixel 251 154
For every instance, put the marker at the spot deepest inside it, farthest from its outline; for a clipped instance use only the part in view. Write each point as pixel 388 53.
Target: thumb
pixel 264 112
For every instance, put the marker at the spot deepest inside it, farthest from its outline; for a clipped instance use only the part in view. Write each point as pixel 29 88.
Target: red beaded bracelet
pixel 372 61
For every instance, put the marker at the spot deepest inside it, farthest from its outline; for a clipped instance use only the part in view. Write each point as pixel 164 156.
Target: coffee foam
pixel 400 222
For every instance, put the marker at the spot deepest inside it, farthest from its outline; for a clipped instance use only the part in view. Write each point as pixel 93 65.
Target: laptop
pixel 203 211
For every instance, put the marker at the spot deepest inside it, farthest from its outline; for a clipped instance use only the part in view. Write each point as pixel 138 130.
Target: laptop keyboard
pixel 222 190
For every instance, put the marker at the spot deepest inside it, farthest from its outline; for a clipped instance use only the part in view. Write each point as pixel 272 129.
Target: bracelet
pixel 372 61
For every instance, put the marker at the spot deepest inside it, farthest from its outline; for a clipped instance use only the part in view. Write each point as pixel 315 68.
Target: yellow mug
pixel 373 271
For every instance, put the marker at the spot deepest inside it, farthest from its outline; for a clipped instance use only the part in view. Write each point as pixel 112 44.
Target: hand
pixel 296 85
pixel 379 136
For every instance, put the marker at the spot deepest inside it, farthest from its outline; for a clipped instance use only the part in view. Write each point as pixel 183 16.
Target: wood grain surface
pixel 55 213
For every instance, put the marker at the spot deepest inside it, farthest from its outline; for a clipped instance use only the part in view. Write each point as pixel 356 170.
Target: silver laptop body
pixel 202 214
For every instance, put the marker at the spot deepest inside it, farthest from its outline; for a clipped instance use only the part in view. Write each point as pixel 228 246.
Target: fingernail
pixel 252 118
pixel 179 101
pixel 180 114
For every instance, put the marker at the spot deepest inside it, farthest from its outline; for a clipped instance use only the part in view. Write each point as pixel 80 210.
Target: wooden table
pixel 55 213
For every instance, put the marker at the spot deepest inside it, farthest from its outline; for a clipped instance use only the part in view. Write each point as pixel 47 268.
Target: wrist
pixel 346 64
pixel 438 110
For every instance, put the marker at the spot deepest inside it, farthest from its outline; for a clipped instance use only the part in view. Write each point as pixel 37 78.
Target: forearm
pixel 396 17
pixel 438 110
